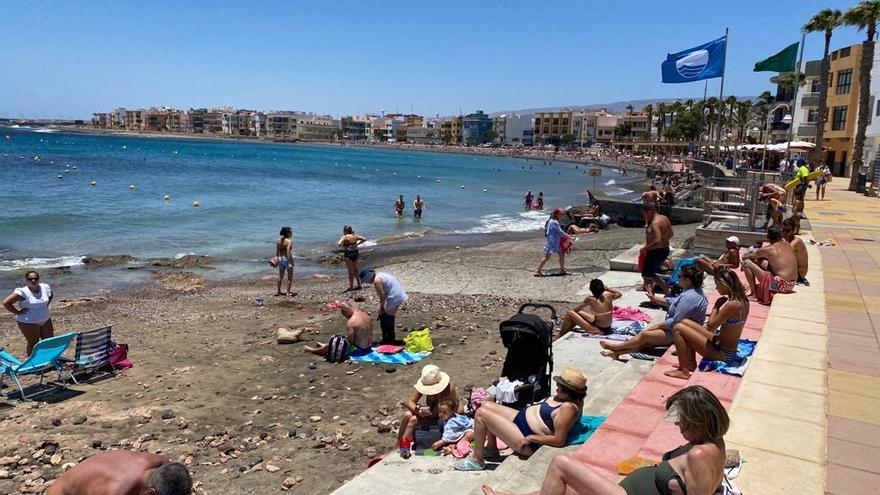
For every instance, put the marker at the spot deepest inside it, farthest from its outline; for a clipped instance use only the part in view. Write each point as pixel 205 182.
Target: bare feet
pixel 489 491
pixel 610 354
pixel 539 274
pixel 681 374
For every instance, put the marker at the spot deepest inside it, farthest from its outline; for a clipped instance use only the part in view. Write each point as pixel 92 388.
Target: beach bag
pixel 119 357
pixel 419 341
pixel 337 349
pixel 565 244
pixel 477 398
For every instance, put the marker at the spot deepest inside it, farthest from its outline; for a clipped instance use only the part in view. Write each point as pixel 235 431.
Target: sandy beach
pixel 211 388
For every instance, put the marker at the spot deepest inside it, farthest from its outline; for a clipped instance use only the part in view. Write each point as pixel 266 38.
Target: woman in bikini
pixel 598 319
pixel 349 242
pixel 524 430
pixel 695 468
pixel 719 338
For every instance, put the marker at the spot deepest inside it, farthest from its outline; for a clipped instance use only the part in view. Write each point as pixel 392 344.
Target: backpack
pixel 337 349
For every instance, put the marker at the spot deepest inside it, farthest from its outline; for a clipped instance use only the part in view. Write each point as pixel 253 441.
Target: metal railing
pixel 732 200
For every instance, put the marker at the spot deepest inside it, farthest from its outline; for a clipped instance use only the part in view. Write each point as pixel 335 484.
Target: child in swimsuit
pixel 601 305
pixel 456 427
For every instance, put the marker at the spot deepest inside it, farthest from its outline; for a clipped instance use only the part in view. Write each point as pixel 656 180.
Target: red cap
pixel 558 211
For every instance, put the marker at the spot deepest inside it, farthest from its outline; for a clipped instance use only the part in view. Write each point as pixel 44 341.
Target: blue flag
pixel 695 64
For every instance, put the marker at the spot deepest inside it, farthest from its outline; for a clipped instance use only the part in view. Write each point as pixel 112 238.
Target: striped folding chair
pixel 92 351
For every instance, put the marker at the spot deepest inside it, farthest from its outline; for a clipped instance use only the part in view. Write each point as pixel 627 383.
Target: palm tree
pixel 762 108
pixel 742 116
pixel 864 16
pixel 824 21
pixel 649 110
pixel 661 119
pixel 730 102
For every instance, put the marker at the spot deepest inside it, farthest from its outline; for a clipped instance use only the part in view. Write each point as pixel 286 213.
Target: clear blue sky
pixel 68 59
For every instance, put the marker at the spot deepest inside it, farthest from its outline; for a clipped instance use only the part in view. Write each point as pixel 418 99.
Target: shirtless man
pixel 776 210
pixel 767 191
pixel 284 252
pixel 418 206
pixel 657 236
pixel 399 205
pixel 800 250
pixel 120 472
pixel 781 265
pixel 359 330
pixel 730 257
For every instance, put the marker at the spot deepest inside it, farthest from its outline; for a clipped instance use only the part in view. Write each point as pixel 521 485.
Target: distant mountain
pixel 613 107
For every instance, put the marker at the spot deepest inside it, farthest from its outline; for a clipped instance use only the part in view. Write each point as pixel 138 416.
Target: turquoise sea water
pixel 247 191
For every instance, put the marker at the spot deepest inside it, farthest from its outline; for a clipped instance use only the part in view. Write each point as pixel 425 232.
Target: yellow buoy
pixel 94 183
pixel 131 187
pixel 166 197
pixel 196 204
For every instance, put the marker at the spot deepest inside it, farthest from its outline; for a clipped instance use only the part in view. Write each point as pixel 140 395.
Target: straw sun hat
pixel 572 378
pixel 433 381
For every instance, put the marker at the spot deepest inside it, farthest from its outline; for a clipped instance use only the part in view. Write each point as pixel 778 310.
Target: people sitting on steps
pixel 598 319
pixel 436 387
pixel 800 250
pixel 728 259
pixel 525 430
pixel 719 338
pixel 690 304
pixel 696 467
pixel 771 268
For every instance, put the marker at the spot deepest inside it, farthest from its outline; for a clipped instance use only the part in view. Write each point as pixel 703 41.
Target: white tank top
pixel 37 305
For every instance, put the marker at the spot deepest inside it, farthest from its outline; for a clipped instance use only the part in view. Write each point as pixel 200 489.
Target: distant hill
pixel 613 107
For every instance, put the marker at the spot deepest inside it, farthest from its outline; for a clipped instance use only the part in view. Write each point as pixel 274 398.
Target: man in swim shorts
pixel 657 236
pixel 358 332
pixel 765 193
pixel 284 254
pixel 418 206
pixel 399 205
pixel 120 471
pixel 800 250
pixel 781 273
pixel 729 258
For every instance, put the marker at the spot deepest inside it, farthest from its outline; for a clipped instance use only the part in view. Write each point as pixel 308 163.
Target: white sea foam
pixel 182 255
pixel 39 263
pixel 522 222
pixel 611 182
pixel 45 130
pixel 617 191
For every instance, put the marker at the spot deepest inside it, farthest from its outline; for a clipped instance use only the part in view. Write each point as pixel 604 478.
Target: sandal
pixel 469 464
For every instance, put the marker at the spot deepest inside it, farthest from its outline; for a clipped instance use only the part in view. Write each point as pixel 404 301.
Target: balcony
pixel 807 129
pixel 813 68
pixel 810 100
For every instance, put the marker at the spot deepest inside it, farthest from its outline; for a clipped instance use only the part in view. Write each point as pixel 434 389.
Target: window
pixel 838 120
pixel 814 86
pixel 813 115
pixel 844 52
pixel 844 81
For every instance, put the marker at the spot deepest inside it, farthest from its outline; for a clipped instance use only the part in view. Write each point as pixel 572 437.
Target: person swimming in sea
pixel 399 205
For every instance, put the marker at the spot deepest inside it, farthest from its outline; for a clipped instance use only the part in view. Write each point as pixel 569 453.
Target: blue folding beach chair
pixel 46 356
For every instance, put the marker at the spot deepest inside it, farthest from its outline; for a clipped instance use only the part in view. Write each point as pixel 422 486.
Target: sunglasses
pixel 31 279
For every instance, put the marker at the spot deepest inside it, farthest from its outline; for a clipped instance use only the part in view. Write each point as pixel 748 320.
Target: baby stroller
pixel 529 359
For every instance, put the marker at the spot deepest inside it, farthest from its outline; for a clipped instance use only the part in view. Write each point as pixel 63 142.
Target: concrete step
pixel 619 384
pixel 627 261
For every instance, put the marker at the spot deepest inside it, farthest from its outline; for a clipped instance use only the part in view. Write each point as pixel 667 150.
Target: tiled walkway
pixel 852 298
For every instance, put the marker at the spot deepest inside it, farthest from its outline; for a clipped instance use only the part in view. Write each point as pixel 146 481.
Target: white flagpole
pixel 797 83
pixel 721 97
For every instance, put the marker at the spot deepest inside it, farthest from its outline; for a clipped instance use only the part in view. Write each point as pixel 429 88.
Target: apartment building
pixel 552 126
pixel 842 106
pixel 450 130
pixel 423 135
pixel 514 129
pixel 474 127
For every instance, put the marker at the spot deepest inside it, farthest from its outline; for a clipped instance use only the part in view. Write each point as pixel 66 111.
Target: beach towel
pixel 583 429
pixel 620 330
pixel 402 357
pixel 389 349
pixel 629 313
pixel 743 351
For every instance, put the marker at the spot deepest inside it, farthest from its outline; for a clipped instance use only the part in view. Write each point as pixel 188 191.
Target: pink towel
pixel 389 349
pixel 630 314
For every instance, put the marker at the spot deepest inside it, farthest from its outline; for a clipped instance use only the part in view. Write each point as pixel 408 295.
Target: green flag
pixel 783 61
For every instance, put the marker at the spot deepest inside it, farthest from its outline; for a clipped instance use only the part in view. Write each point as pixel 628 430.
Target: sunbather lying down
pixel 120 471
